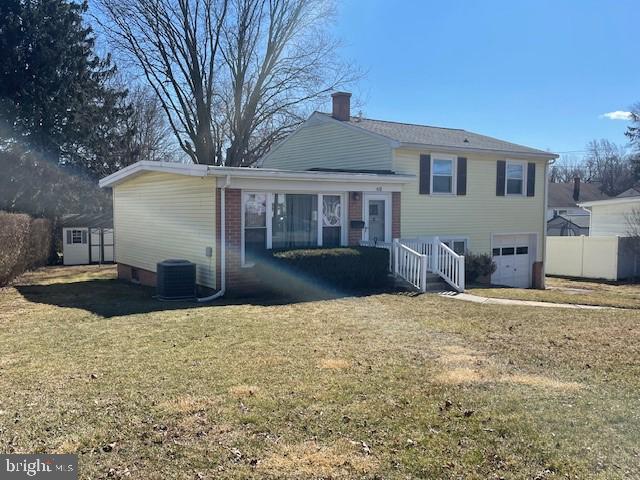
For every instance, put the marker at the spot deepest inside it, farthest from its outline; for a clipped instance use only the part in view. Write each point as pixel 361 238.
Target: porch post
pixel 396 242
pixel 423 273
pixel 435 254
pixel 461 273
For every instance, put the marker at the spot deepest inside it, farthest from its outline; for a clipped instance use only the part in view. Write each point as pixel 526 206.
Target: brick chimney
pixel 341 106
pixel 576 188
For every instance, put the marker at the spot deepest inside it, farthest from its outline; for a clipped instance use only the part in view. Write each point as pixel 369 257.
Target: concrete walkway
pixel 467 297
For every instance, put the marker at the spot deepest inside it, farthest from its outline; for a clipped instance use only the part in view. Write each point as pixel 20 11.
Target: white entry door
pixel 513 257
pixel 377 217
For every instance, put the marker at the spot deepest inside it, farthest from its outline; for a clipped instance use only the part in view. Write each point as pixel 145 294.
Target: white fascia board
pixel 506 153
pixel 612 201
pixel 290 175
pixel 307 186
pixel 143 166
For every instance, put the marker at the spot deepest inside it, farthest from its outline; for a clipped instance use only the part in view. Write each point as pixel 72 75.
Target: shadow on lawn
pixel 112 298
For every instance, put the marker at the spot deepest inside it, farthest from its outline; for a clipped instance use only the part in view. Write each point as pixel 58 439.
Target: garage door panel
pixel 512 256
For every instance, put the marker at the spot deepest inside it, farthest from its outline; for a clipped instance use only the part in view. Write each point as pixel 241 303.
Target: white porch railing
pixel 413 258
pixel 439 258
pixel 410 265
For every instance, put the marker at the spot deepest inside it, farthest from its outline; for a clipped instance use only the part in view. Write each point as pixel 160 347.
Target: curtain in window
pixel 295 221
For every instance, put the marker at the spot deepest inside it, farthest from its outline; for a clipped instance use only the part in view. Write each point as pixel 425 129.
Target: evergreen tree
pixel 56 97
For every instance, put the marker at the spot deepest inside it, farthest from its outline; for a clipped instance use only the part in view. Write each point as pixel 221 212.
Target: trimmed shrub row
pixel 25 244
pixel 324 270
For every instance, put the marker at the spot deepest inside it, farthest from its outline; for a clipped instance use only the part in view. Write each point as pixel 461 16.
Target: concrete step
pixel 434 284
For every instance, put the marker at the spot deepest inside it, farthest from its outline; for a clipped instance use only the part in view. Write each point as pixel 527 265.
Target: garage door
pixel 512 256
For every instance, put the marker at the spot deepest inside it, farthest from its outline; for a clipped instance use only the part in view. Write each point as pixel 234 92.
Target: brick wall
pixel 395 215
pixel 239 281
pixel 355 213
pixel 145 277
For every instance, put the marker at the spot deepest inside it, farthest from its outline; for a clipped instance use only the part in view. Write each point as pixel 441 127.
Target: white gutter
pixel 223 244
pixel 611 201
pixel 506 153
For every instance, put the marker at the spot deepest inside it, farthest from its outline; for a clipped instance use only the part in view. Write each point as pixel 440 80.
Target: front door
pixel 377 217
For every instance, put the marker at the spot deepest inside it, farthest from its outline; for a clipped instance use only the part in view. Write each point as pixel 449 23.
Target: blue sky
pixel 540 73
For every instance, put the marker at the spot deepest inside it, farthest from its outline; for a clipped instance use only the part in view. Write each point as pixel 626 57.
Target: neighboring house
pixel 563 202
pixel 339 180
pixel 561 226
pixel 610 217
pixel 87 239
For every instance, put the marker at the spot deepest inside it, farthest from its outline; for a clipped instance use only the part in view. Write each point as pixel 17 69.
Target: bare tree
pixel 233 76
pixel 607 163
pixel 175 44
pixel 633 223
pixel 567 168
pixel 279 62
pixel 153 138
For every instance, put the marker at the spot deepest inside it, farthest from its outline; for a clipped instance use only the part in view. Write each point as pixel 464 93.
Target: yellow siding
pixel 330 145
pixel 478 214
pixel 158 216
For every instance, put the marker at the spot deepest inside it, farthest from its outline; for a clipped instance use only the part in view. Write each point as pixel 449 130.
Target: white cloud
pixel 617 115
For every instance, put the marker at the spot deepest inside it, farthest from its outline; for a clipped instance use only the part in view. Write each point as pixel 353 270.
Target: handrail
pixel 410 265
pixel 438 258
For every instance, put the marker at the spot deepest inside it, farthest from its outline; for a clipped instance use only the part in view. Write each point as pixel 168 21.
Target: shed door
pixel 75 246
pixel 513 256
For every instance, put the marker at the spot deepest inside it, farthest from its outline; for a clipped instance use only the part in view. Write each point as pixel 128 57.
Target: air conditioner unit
pixel 176 280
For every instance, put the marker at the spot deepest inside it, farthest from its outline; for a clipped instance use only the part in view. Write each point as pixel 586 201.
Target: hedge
pixel 325 270
pixel 24 244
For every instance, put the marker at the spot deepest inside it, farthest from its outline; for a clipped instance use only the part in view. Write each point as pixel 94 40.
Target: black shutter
pixel 68 237
pixel 500 176
pixel 531 179
pixel 461 181
pixel 425 174
pixel 84 236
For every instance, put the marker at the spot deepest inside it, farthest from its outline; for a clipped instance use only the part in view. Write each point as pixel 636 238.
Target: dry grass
pixel 386 386
pixel 562 290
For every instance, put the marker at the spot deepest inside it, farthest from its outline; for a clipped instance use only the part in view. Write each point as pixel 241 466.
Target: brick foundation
pixel 144 277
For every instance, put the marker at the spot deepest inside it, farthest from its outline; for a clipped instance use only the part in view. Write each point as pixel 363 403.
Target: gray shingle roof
pixel 439 136
pixel 561 194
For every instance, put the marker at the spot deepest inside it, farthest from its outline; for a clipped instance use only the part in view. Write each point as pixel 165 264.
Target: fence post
pixel 461 273
pixel 423 272
pixel 395 256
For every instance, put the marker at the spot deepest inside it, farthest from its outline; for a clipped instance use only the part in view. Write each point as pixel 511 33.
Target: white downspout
pixel 223 245
pixel 548 164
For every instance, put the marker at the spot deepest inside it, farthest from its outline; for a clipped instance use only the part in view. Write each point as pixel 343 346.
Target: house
pixel 430 194
pixel 87 238
pixel 611 216
pixel 560 225
pixel 563 202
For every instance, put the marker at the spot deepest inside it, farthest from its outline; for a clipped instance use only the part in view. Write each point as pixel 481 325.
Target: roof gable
pixel 406 134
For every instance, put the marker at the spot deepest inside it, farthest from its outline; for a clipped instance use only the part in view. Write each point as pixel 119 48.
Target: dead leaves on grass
pixel 334 363
pixel 309 459
pixel 466 366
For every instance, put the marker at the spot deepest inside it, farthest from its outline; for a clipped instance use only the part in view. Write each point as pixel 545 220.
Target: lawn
pixel 564 290
pixel 384 386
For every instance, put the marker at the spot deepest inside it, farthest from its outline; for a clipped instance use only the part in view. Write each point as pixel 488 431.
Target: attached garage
pixel 513 255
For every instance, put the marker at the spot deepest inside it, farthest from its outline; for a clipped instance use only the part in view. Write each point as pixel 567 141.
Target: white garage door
pixel 512 255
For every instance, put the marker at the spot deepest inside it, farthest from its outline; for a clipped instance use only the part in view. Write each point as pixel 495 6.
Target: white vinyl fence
pixel 604 257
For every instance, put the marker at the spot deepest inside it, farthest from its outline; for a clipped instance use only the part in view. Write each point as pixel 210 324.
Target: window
pixel 496 252
pixel 522 250
pixel 331 220
pixel 515 178
pixel 442 175
pixel 458 245
pixel 255 226
pixel 295 220
pixel 76 236
pixel 507 251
